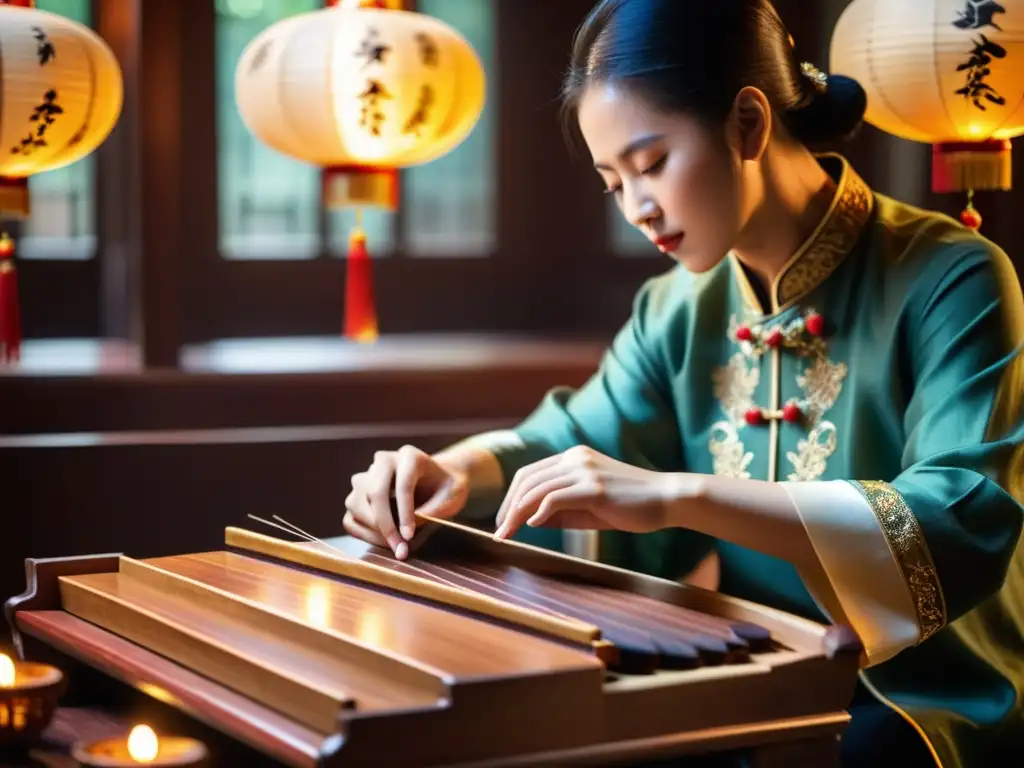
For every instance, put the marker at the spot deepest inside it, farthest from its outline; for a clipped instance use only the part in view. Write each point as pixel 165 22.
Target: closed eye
pixel 656 166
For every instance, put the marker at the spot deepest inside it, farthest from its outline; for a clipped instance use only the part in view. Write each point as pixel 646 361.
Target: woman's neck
pixel 797 194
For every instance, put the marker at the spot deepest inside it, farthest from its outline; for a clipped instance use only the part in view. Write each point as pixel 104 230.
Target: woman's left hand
pixel 583 489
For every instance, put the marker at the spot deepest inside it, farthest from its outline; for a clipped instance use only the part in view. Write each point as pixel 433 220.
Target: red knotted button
pixel 792 413
pixel 743 333
pixel 754 417
pixel 774 339
pixel 815 324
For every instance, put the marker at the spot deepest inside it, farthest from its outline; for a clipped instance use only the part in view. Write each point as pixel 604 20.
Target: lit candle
pixel 7 676
pixel 28 697
pixel 142 747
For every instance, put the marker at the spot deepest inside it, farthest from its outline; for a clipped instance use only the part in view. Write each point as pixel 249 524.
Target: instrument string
pixel 294 530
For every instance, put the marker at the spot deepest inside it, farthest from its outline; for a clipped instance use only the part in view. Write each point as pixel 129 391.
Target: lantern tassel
pixel 961 166
pixel 10 307
pixel 360 323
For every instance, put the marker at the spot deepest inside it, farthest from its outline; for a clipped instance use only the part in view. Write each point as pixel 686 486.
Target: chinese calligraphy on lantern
pixel 979 14
pixel 372 50
pixel 428 50
pixel 45 50
pixel 419 117
pixel 373 53
pixel 371 117
pixel 43 116
pixel 978 68
pixel 260 57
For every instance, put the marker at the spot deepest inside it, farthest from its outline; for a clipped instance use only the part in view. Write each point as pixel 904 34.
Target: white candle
pixel 6 671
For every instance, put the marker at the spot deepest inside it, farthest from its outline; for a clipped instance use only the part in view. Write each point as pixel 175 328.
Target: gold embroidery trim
pixel 903 532
pixel 819 256
pixel 844 223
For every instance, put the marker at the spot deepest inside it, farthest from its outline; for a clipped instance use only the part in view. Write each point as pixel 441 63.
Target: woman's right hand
pixel 421 484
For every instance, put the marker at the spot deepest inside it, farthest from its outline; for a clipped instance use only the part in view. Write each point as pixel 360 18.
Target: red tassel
pixel 360 309
pixel 10 307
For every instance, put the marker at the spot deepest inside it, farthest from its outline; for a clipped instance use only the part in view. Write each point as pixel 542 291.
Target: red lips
pixel 669 243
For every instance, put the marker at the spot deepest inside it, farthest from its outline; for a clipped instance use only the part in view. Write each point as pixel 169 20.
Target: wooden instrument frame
pixel 112 612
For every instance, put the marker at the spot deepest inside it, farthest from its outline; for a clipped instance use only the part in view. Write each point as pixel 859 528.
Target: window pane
pixel 62 224
pixel 450 203
pixel 269 203
pixel 626 239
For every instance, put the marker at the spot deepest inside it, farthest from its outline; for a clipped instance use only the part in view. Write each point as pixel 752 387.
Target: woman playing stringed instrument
pixel 824 391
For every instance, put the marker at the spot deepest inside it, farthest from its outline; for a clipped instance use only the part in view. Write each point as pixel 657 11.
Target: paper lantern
pixel 361 89
pixel 61 91
pixel 946 72
pixel 60 96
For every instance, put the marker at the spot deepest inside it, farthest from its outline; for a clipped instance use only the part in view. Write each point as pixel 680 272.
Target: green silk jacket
pixel 880 382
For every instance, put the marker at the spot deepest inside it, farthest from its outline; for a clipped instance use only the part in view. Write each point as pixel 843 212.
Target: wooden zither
pixel 474 651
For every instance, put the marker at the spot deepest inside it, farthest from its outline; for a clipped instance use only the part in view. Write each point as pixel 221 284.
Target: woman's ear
pixel 752 123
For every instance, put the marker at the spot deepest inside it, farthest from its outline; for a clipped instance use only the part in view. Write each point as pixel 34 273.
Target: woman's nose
pixel 643 212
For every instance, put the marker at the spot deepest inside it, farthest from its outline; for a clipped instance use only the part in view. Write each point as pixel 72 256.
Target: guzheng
pixel 474 651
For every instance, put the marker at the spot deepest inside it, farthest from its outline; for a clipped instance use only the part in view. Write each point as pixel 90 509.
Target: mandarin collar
pixel 831 242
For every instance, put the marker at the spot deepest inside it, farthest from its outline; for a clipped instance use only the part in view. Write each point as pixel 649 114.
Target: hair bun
pixel 833 115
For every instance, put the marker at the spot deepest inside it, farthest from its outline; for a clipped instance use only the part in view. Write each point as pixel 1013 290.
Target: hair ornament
pixel 815 75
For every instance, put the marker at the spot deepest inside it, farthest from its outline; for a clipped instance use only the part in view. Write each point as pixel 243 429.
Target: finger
pixel 407 475
pixel 441 503
pixel 358 506
pixel 576 497
pixel 532 492
pixel 578 520
pixel 519 478
pixel 355 528
pixel 378 493
pixel 523 510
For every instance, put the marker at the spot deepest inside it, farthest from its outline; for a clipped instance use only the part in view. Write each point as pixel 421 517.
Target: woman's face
pixel 673 179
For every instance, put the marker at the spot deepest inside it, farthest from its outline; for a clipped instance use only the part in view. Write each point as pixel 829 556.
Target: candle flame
pixel 6 671
pixel 143 744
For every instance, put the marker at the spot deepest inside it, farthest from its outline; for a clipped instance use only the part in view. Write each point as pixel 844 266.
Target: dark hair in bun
pixel 694 56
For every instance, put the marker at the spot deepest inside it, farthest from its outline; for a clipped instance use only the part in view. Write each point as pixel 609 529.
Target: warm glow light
pixel 318 605
pixel 143 745
pixel 936 70
pixel 370 626
pixel 6 671
pixel 360 87
pixel 61 90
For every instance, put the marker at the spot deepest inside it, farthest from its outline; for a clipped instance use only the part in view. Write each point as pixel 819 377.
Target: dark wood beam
pixel 141 179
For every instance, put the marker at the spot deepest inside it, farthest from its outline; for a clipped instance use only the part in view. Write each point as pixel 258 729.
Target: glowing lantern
pixel 61 93
pixel 361 89
pixel 945 72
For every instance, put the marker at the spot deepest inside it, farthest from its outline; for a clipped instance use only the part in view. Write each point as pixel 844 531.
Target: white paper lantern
pixel 360 90
pixel 945 72
pixel 61 93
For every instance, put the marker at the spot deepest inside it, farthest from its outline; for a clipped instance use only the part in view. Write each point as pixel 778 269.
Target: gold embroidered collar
pixel 830 243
